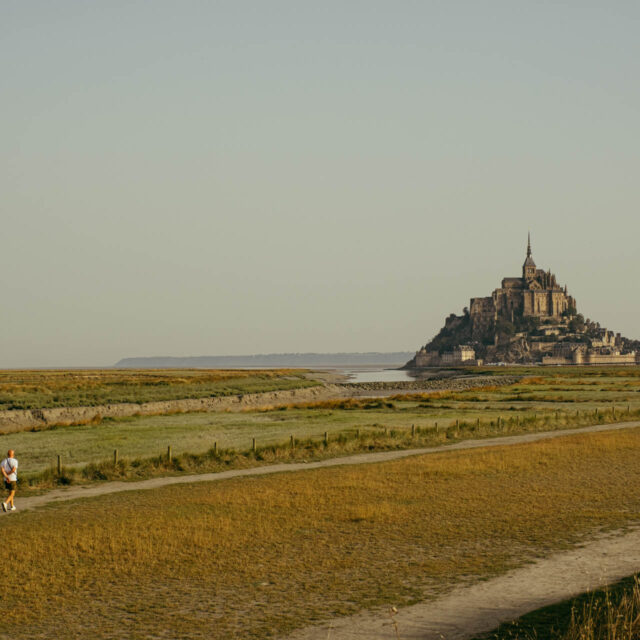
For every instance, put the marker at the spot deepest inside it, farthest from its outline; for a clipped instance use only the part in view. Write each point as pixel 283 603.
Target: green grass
pixel 63 388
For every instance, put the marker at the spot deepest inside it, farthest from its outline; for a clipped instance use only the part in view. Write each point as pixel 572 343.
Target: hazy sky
pixel 202 178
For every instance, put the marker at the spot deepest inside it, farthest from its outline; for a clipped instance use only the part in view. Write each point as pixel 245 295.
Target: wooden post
pixel 628 408
pixel 215 447
pixel 437 428
pixel 292 442
pixel 253 445
pixel 413 430
pixel 59 465
pixel 477 423
pixel 326 438
pixel 169 453
pixel 613 412
pixel 115 457
pixel 358 433
pixel 457 425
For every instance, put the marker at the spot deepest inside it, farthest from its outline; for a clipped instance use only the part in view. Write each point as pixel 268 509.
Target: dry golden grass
pixel 255 558
pixel 335 404
pixel 447 395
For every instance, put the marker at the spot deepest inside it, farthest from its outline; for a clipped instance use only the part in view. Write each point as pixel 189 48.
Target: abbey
pixel 536 294
pixel 529 319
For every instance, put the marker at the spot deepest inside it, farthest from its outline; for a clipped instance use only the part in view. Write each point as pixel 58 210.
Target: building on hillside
pixel 568 353
pixel 460 355
pixel 536 295
pixel 529 319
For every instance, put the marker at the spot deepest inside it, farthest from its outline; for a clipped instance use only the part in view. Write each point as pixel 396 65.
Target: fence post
pixel 358 433
pixel 326 438
pixel 59 465
pixel 169 453
pixel 437 430
pixel 613 412
pixel 292 441
pixel 477 423
pixel 413 430
pixel 253 445
pixel 215 447
pixel 115 457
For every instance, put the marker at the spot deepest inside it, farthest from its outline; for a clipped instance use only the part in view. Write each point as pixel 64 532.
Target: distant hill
pixel 308 360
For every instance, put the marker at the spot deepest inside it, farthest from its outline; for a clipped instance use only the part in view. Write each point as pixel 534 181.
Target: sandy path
pixel 468 611
pixel 90 491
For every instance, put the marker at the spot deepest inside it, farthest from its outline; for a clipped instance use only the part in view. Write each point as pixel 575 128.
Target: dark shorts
pixel 10 485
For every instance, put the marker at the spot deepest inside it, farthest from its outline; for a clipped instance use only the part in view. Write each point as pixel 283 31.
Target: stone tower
pixel 529 266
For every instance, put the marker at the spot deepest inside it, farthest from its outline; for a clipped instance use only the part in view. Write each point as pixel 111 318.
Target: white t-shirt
pixel 8 464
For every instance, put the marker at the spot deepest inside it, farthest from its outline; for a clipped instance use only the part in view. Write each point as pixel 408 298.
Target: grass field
pixel 254 558
pixel 556 399
pixel 72 388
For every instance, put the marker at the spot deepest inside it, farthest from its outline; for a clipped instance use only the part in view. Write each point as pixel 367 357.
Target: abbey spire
pixel 529 266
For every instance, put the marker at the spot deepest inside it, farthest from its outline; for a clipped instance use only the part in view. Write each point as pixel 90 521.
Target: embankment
pixel 24 419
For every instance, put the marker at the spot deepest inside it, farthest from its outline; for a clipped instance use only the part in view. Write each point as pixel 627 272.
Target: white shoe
pixel 13 508
pixel 4 506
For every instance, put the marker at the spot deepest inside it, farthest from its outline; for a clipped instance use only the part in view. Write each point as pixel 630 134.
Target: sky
pixel 233 177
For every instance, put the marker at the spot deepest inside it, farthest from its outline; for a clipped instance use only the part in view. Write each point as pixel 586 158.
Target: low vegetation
pixel 68 388
pixel 258 557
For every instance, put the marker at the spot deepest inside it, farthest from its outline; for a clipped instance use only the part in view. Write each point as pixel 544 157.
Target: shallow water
pixel 373 374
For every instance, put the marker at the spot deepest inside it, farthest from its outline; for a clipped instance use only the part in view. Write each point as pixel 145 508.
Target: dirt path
pixel 90 491
pixel 468 611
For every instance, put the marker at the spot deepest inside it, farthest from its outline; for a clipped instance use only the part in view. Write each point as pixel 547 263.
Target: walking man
pixel 9 467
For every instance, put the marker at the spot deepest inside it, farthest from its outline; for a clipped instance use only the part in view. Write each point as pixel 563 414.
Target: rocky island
pixel 529 319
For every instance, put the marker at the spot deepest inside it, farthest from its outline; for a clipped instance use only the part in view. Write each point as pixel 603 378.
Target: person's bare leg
pixel 10 498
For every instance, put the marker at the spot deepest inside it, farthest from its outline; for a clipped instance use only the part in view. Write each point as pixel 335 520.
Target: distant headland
pixel 303 360
pixel 529 319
